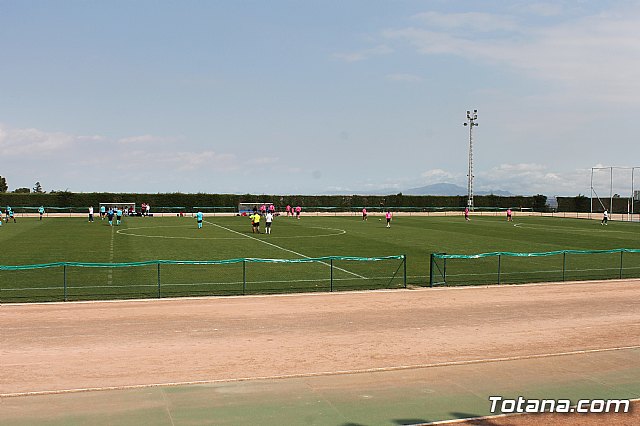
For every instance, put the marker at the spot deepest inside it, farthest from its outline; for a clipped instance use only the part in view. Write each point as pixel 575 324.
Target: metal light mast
pixel 471 122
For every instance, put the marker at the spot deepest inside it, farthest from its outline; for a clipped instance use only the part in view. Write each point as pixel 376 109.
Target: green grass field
pixel 31 241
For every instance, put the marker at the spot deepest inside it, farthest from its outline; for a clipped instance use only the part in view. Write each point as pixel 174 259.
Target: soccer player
pixel 199 219
pixel 7 211
pixel 90 213
pixel 364 213
pixel 11 216
pixel 272 209
pixel 298 210
pixel 509 215
pixel 605 217
pixel 388 216
pixel 255 223
pixel 268 220
pixel 118 216
pixel 110 216
pixel 41 211
pixel 288 210
pixel 103 212
pixel 466 213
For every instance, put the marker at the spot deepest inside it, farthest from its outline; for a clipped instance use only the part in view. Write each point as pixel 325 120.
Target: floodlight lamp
pixel 464 124
pixel 468 112
pixel 475 111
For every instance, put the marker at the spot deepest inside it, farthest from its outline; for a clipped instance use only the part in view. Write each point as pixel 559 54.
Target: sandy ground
pixel 65 346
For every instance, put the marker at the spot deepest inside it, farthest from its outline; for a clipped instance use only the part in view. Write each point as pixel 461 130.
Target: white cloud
pixel 595 56
pixel 483 22
pixel 32 142
pixel 438 176
pixel 180 160
pixel 361 55
pixel 92 138
pixel 531 178
pixel 145 139
pixel 543 9
pixel 262 161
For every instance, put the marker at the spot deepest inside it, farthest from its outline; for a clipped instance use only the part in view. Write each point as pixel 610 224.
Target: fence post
pixel 404 260
pixel 244 276
pixel 621 252
pixel 431 270
pixel 64 283
pixel 159 295
pixel 499 258
pixel 331 274
pixel 564 264
pixel 444 270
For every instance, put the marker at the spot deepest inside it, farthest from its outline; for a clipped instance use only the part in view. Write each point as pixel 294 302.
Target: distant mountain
pixel 443 189
pixel 449 189
pixel 437 189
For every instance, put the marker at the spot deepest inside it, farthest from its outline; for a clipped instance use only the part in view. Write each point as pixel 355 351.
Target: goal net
pixel 246 208
pixel 612 189
pixel 126 207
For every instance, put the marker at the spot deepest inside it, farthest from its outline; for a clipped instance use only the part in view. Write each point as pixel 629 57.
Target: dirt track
pixel 48 347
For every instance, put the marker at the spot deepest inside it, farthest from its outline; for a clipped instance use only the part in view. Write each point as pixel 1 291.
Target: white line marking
pixel 279 237
pixel 282 248
pixel 321 373
pixel 111 250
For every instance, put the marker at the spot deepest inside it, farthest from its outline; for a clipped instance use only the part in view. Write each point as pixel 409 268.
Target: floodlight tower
pixel 471 122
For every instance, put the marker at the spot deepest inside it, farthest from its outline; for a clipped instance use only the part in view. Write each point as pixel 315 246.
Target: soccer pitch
pixel 30 242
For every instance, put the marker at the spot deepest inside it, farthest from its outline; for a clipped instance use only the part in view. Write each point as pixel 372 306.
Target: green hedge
pixel 308 202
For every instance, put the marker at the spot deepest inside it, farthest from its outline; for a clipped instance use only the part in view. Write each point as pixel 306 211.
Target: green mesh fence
pixel 514 268
pixel 65 281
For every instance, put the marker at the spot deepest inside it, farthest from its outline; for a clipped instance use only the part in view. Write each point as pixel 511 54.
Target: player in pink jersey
pixel 288 209
pixel 509 215
pixel 388 216
pixel 364 213
pixel 466 213
pixel 298 210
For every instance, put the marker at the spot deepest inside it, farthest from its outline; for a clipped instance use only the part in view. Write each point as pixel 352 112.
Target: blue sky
pixel 302 97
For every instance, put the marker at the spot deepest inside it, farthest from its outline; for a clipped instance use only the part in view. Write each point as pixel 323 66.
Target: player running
pixel 364 213
pixel 298 210
pixel 118 216
pixel 466 213
pixel 110 216
pixel 605 217
pixel 256 223
pixel 41 211
pixel 509 215
pixel 268 219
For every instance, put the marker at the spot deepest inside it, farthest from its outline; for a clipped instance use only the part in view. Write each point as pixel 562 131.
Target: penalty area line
pixel 281 248
pixel 320 373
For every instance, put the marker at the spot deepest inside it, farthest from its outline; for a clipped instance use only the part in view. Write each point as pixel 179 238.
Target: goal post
pixel 613 189
pixel 249 207
pixel 126 207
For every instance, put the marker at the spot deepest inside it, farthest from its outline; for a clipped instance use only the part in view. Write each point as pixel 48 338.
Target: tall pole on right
pixel 471 122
